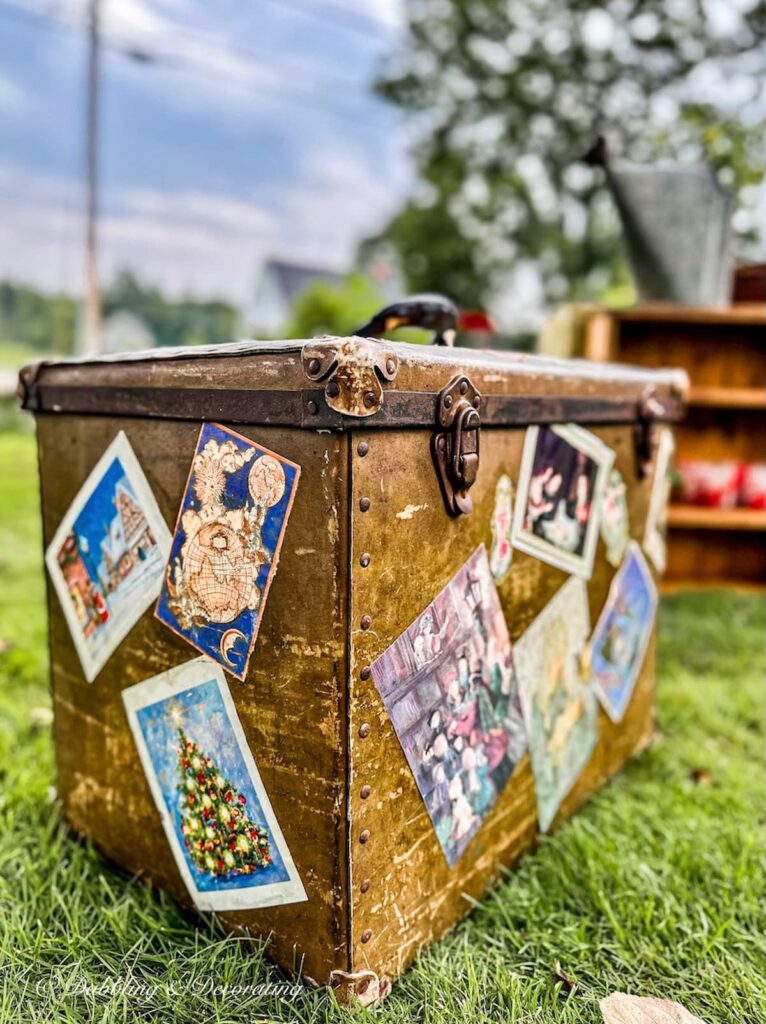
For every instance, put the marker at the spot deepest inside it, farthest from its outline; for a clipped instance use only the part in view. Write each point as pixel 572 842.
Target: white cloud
pixel 192 241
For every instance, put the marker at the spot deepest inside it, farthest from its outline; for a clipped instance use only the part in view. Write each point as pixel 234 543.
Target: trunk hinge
pixel 455 445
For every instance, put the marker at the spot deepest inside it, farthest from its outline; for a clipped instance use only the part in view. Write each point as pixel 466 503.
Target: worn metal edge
pixel 308 408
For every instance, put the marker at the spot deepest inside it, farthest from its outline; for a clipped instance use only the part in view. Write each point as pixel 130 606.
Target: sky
pixel 252 133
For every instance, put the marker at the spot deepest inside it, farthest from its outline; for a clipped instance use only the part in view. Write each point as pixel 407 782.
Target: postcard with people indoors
pixel 563 473
pixel 560 709
pixel 226 545
pixel 106 558
pixel 214 808
pixel 449 687
pixel 622 633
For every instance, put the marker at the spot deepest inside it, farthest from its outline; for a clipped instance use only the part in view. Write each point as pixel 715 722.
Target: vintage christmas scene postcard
pixel 449 687
pixel 226 545
pixel 563 473
pixel 622 633
pixel 560 709
pixel 217 816
pixel 107 557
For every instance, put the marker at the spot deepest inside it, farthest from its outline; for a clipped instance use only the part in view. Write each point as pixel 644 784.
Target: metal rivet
pixel 333 389
pixel 365 886
pixel 365 673
pixel 369 399
pixel 364 835
pixel 362 448
pixel 364 730
pixel 366 621
pixel 441 442
pixel 366 935
pixel 477 402
pixel 364 504
pixel 312 407
pixel 364 561
pixel 448 401
pixel 463 386
pixel 314 366
pixel 364 792
pixel 390 366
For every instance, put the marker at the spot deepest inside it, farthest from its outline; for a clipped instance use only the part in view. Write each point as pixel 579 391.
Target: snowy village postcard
pixel 226 545
pixel 622 633
pixel 560 708
pixel 449 687
pixel 107 557
pixel 214 808
pixel 563 473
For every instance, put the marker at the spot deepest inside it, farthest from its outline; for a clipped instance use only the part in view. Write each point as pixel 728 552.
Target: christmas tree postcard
pixel 214 808
pixel 449 687
pixel 560 708
pixel 226 545
pixel 106 558
pixel 622 633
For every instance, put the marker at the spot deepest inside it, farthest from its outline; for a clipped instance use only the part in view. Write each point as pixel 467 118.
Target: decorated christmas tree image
pixel 220 838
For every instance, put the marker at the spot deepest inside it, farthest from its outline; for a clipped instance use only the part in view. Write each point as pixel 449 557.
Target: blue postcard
pixel 107 557
pixel 214 808
pixel 622 633
pixel 226 545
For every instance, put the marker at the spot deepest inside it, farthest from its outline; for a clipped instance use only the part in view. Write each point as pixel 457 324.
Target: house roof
pixel 293 277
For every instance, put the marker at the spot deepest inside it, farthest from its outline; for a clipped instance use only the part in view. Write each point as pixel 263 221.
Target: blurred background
pixel 174 172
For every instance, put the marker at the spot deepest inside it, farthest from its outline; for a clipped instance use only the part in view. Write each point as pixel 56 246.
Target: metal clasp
pixel 649 410
pixel 455 445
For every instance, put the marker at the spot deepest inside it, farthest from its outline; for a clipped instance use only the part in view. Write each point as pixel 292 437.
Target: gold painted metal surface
pixel 292 706
pixel 414 550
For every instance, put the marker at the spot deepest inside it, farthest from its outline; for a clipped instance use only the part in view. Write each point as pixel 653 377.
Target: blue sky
pixel 252 133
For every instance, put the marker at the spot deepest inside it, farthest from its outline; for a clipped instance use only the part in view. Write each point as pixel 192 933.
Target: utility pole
pixel 92 325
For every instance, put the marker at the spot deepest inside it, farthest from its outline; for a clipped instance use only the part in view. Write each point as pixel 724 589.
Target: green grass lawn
pixel 655 888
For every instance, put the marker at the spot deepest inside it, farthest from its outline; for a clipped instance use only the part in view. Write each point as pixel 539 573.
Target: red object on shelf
pixel 752 491
pixel 715 484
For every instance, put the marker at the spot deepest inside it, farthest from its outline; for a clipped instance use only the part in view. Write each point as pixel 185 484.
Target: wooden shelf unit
pixel 724 353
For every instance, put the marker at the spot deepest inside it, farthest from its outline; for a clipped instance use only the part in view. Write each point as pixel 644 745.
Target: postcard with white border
pixel 560 708
pixel 622 633
pixel 214 808
pixel 656 518
pixel 564 470
pixel 107 558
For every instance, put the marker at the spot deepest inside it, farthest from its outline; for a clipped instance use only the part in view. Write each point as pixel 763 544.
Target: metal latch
pixel 649 410
pixel 455 445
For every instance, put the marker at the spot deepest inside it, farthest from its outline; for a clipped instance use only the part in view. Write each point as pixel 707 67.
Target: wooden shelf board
pixel 673 586
pixel 702 518
pixel 657 312
pixel 728 398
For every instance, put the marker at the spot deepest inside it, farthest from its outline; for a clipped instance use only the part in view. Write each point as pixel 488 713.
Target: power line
pixel 193 65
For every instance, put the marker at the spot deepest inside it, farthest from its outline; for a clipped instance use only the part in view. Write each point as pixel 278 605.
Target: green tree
pixel 323 308
pixel 506 95
pixel 219 837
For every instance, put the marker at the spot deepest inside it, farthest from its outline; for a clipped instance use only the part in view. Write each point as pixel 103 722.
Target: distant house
pixel 123 331
pixel 278 285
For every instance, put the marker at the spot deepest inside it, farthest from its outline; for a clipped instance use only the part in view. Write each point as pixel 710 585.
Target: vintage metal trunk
pixel 373 536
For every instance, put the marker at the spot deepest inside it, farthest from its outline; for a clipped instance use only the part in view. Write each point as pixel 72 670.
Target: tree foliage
pixel 505 96
pixel 323 308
